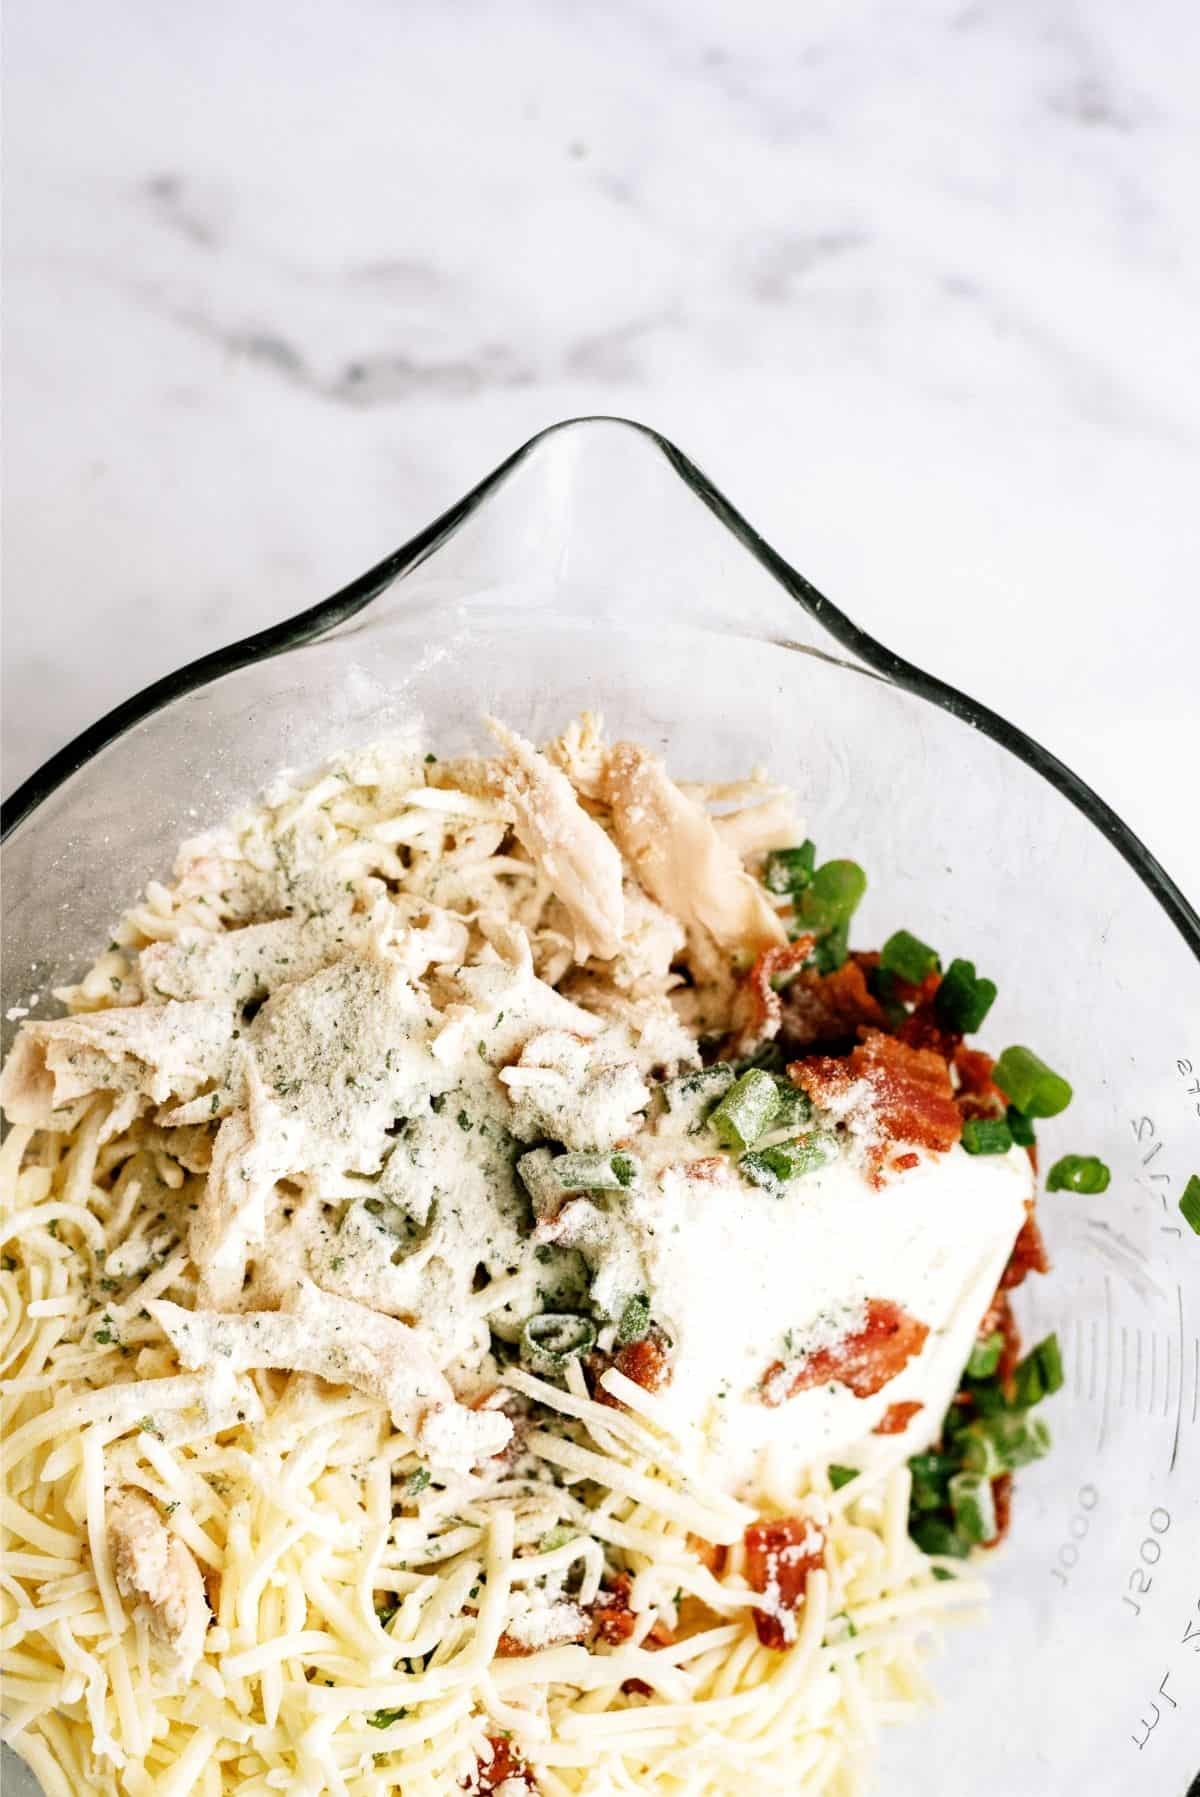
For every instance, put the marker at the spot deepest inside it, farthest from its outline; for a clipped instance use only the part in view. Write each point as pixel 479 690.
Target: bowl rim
pixel 318 620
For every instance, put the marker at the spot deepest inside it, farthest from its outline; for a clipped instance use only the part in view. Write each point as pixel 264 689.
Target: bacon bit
pixel 757 1010
pixel 505 1763
pixel 911 1099
pixel 637 1687
pixel 571 1627
pixel 923 1028
pixel 904 1163
pixel 897 1417
pixel 509 1648
pixel 709 1554
pixel 978 1095
pixel 1028 1255
pixel 647 1363
pixel 1002 1496
pixel 710 1167
pixel 779 1557
pixel 613 1621
pixel 828 1007
pixel 864 1362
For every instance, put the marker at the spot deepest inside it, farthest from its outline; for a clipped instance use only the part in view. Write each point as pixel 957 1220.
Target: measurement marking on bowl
pixel 1179 1394
pixel 1108 1365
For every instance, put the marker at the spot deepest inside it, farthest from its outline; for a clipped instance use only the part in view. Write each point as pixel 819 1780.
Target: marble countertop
pixel 916 285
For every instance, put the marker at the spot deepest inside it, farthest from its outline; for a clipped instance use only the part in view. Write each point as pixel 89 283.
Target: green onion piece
pixel 635 1321
pixel 772 1168
pixel 587 1171
pixel 963 999
pixel 841 1475
pixel 833 949
pixel 747 1110
pixel 986 1135
pixel 933 1536
pixel 908 957
pixel 1049 1359
pixel 558 1536
pixel 550 1340
pixel 384 1718
pixel 789 870
pixel 1004 1442
pixel 417 1481
pixel 795 1106
pixel 1189 1203
pixel 1021 1127
pixel 974 1507
pixel 1032 1086
pixel 930 1478
pixel 1078 1173
pixel 985 1356
pixel 691 1096
pixel 832 895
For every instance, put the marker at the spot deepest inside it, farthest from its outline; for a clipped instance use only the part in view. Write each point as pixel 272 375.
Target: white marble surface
pixel 916 284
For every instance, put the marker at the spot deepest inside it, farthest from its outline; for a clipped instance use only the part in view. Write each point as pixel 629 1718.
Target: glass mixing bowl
pixel 597 567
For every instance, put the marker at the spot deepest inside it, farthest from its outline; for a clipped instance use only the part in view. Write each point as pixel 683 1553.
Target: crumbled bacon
pixel 908 1096
pixel 613 1620
pixel 1028 1255
pixel 828 1007
pixel 864 1362
pixel 647 1363
pixel 1002 1494
pixel 923 1028
pixel 505 1763
pixel 757 1008
pixel 904 1163
pixel 570 1624
pixel 709 1553
pixel 779 1557
pixel 978 1095
pixel 897 1417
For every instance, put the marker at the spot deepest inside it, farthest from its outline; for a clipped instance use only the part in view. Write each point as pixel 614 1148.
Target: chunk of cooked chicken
pixel 150 1051
pixel 680 857
pixel 155 1571
pixel 577 858
pixel 348 1344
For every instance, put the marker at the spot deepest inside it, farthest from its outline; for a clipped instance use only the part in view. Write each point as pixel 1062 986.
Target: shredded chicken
pixel 577 858
pixel 346 1343
pixel 680 858
pixel 152 1051
pixel 156 1572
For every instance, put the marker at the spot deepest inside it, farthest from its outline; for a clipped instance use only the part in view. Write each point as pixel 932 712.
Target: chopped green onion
pixel 556 1537
pixel 587 1171
pixel 1004 1442
pixel 1032 1086
pixel 384 1718
pixel 789 870
pixel 933 1536
pixel 635 1321
pixel 772 1168
pixel 963 999
pixel 747 1109
pixel 550 1340
pixel 795 1106
pixel 986 1135
pixel 1021 1127
pixel 974 1507
pixel 416 1481
pixel 691 1096
pixel 832 895
pixel 1078 1173
pixel 985 1356
pixel 841 1475
pixel 930 1478
pixel 1040 1374
pixel 1189 1203
pixel 833 949
pixel 908 957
